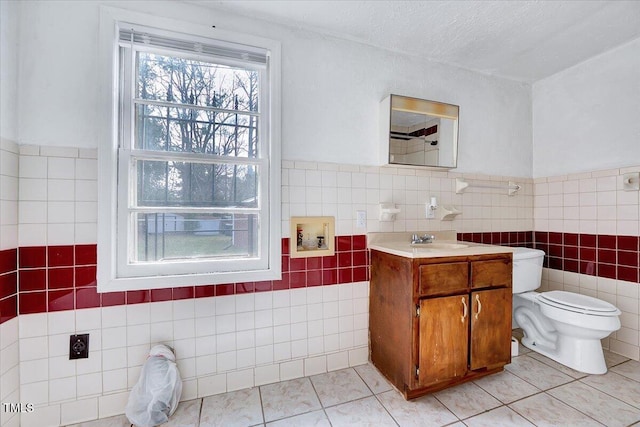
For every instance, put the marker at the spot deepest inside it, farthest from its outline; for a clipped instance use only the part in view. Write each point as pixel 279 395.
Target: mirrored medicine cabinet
pixel 418 132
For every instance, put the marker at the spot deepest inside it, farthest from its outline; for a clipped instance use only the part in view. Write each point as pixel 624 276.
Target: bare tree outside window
pixel 186 106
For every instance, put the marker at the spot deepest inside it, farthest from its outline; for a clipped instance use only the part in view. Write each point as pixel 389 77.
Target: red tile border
pixel 359 242
pixel 60 256
pixel 343 243
pixel 165 294
pixel 242 288
pixel 314 263
pixel 8 261
pixel 60 300
pixel 627 258
pixel 297 264
pixel 85 276
pixel 185 292
pixel 616 257
pixel 330 261
pixel 32 302
pixel 360 258
pixel 87 298
pixel 629 274
pixel 32 257
pixel 8 284
pixel 571 252
pixel 345 275
pixel 314 278
pixel 295 280
pixel 222 290
pixel 628 243
pixel 32 280
pixel 588 240
pixel 344 259
pixel 39 279
pixel 570 239
pixel 263 286
pixel 138 297
pixel 205 291
pixel 113 298
pixel 60 278
pixel 86 255
pixel 8 308
pixel 609 256
pixel 284 282
pixel 606 241
pixel 329 276
pixel 555 238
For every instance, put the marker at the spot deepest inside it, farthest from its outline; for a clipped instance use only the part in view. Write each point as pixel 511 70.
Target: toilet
pixel 564 326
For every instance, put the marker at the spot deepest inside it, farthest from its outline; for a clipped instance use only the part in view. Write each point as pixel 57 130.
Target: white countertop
pixel 444 245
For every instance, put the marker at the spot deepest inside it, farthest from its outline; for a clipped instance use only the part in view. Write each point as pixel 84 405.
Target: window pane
pixel 170 183
pixel 185 81
pixel 176 236
pixel 196 131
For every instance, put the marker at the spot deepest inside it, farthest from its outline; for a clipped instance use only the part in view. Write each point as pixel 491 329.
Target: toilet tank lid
pixel 526 253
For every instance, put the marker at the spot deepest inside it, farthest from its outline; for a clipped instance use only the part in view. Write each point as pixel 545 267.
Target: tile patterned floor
pixel 532 391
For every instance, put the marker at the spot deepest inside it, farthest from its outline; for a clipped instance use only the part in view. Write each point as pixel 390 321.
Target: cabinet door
pixel 490 328
pixel 443 339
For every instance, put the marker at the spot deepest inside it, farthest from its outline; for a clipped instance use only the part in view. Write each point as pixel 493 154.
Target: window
pixel 195 163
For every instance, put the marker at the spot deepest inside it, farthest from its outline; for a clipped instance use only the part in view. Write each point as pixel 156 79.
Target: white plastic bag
pixel 155 396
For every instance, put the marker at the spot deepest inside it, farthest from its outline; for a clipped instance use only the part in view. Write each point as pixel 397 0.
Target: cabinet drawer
pixel 443 278
pixel 489 274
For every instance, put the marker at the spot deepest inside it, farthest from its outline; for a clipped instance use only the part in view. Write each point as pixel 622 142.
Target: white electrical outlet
pixel 361 219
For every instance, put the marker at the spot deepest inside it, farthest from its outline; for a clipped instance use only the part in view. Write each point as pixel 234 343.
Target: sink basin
pixel 440 245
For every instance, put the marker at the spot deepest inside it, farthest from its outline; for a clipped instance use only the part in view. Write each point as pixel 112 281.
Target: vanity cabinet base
pixel 438 322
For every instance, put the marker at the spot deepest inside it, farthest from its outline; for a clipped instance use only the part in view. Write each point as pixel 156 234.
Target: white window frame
pixel 115 272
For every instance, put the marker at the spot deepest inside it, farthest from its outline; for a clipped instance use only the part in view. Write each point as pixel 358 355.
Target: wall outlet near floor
pixel 361 219
pixel 79 346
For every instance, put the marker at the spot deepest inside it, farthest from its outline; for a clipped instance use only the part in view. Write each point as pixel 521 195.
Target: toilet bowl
pixel 564 326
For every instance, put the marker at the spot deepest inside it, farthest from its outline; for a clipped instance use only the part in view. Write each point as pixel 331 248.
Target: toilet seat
pixel 578 303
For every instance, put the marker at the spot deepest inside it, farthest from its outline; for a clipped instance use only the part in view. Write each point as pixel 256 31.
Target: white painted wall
pixel 588 116
pixel 331 89
pixel 9 69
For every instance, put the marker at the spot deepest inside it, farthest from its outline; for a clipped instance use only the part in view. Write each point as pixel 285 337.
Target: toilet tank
pixel 527 269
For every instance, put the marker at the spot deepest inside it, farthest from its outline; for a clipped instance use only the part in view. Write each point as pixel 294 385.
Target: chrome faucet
pixel 427 238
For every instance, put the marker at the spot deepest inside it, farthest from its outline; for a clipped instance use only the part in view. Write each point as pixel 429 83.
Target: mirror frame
pixel 420 106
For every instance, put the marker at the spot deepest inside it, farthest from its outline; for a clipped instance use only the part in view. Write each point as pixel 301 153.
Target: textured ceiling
pixel 519 40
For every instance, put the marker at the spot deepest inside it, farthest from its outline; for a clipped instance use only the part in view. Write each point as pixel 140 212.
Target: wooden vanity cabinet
pixel 437 322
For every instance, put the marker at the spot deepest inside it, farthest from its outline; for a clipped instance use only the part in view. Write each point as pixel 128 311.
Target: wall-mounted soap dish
pixel 448 213
pixel 388 211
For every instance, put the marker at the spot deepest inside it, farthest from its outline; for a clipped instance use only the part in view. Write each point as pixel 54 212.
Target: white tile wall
pixel 594 203
pixel 9 331
pixel 310 188
pixel 9 370
pixel 217 350
pixel 233 342
pixel 58 196
pixel 9 161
